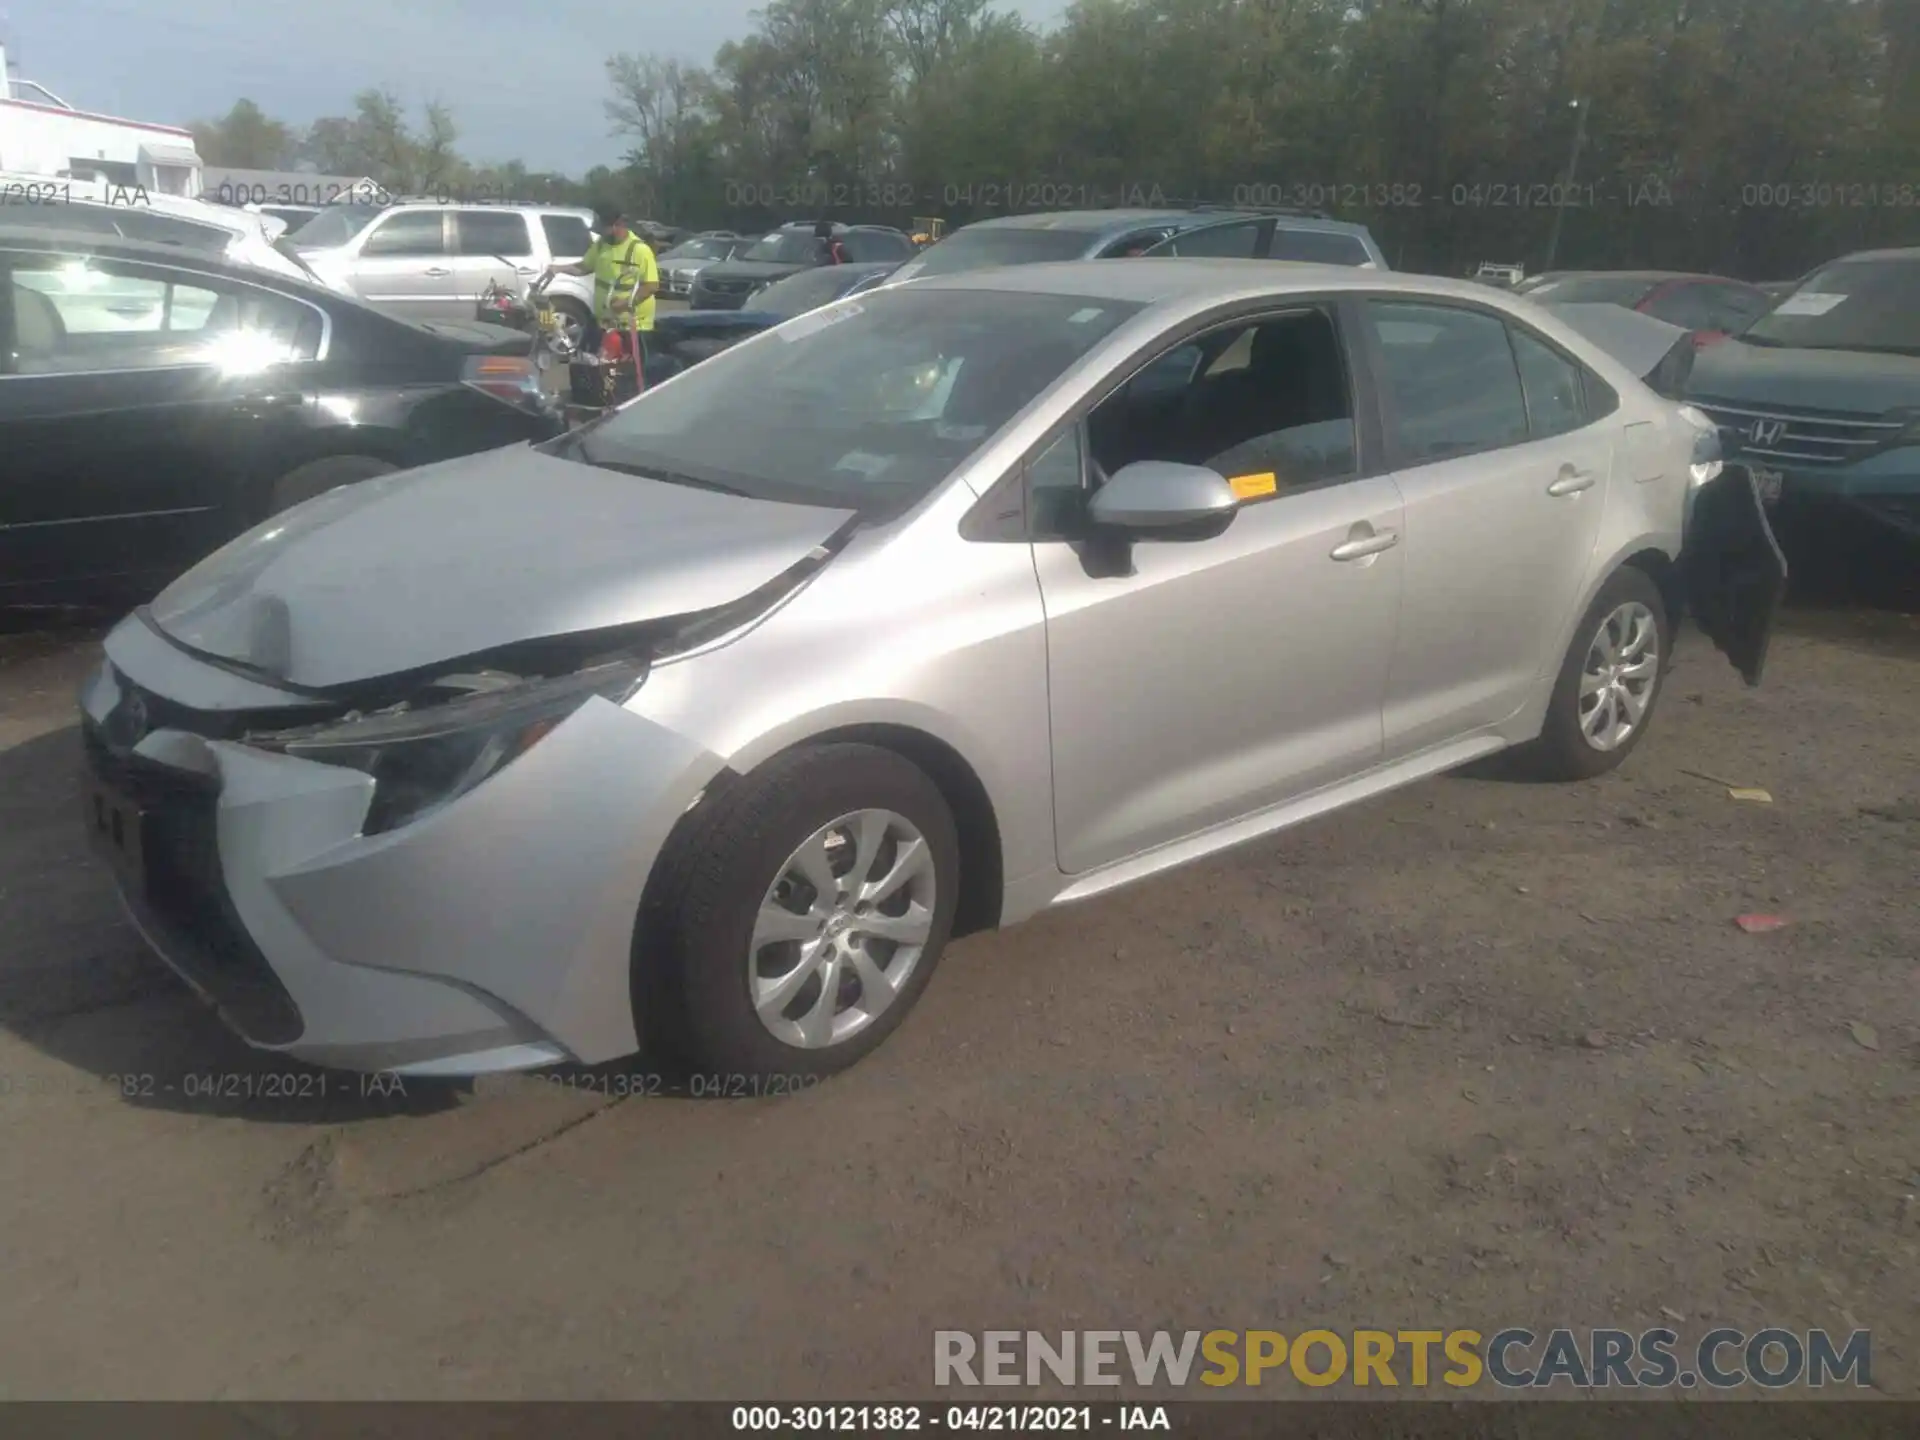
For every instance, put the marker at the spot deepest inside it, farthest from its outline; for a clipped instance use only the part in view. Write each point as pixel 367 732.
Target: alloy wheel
pixel 1618 676
pixel 841 929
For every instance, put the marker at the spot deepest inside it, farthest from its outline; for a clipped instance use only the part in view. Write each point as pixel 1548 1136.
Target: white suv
pixel 431 262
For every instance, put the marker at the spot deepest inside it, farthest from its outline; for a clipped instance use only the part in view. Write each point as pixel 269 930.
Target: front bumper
pixel 495 933
pixel 1880 495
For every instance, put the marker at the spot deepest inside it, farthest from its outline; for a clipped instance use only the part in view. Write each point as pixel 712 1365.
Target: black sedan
pixel 685 337
pixel 729 284
pixel 156 402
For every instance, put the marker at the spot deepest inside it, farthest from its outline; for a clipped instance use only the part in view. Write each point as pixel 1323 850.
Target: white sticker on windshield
pixel 859 462
pixel 1081 317
pixel 1808 302
pixel 802 325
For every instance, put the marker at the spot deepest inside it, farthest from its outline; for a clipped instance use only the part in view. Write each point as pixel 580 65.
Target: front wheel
pixel 1609 681
pixel 804 917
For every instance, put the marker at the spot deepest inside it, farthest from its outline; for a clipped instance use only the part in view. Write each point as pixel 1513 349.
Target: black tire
pixel 692 953
pixel 1563 752
pixel 317 477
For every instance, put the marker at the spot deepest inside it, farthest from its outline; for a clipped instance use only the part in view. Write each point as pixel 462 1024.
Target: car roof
pixel 524 209
pixel 1650 276
pixel 115 247
pixel 1151 280
pixel 1091 222
pixel 1904 252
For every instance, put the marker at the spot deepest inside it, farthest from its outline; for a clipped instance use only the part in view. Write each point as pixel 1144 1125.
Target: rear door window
pixel 1556 402
pixel 492 232
pixel 1320 247
pixel 1451 380
pixel 411 232
pixel 1238 240
pixel 568 237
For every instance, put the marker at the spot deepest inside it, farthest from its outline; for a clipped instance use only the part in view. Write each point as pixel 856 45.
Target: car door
pixel 136 403
pixel 488 245
pixel 1195 682
pixel 1505 481
pixel 403 265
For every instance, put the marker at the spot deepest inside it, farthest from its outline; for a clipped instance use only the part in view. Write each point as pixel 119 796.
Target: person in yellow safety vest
pixel 625 275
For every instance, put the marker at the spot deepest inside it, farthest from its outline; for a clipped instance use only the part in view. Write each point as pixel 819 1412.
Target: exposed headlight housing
pixel 424 757
pixel 1709 459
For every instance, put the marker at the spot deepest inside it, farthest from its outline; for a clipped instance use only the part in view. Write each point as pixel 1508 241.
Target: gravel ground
pixel 1478 1054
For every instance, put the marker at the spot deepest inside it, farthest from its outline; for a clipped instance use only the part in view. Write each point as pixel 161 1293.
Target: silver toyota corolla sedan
pixel 700 731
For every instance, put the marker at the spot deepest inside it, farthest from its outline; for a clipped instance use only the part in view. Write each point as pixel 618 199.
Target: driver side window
pixel 1264 402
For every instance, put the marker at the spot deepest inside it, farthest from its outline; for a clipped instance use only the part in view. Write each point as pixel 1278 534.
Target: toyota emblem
pixel 1766 433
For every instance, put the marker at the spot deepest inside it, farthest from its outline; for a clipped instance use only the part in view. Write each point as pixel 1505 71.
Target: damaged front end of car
pixel 428 737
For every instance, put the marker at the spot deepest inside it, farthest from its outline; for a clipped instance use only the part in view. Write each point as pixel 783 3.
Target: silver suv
pixel 431 262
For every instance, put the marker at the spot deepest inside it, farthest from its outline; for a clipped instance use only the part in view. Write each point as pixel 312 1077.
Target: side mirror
pixel 1157 496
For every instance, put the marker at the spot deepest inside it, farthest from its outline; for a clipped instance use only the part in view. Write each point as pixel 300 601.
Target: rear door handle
pixel 1362 546
pixel 1571 481
pixel 438 270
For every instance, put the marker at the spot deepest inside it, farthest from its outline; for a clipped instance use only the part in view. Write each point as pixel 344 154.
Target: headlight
pixel 421 759
pixel 1708 458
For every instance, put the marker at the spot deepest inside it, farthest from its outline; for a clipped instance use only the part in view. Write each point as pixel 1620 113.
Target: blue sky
pixel 523 80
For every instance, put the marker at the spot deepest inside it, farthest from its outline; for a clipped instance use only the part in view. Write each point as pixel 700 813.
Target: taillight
pixel 510 379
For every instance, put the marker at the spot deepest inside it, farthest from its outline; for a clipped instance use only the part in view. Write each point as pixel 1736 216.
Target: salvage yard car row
pixel 851 636
pixel 1012 504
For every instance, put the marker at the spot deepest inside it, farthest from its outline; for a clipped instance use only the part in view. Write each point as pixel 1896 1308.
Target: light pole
pixel 1583 108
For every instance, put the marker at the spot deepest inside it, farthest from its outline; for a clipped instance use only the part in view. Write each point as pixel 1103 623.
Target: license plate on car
pixel 114 826
pixel 1769 483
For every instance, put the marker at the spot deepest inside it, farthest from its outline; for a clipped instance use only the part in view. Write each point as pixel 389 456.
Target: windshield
pixel 870 402
pixel 1849 305
pixel 1592 290
pixel 783 247
pixel 1009 245
pixel 808 290
pixel 698 250
pixel 334 225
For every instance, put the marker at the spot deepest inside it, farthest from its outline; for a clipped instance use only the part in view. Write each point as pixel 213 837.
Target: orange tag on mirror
pixel 1251 487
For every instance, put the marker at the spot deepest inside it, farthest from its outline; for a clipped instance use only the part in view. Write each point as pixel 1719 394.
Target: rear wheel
pixel 1604 698
pixel 803 918
pixel 317 477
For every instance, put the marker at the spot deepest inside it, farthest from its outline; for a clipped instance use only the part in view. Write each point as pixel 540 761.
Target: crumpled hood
pixel 1856 382
pixel 452 560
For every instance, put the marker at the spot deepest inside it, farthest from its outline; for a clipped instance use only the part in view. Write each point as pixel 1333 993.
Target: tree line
pixel 1751 137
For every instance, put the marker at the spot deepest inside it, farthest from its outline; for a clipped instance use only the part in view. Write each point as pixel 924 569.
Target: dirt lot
pixel 1480 1054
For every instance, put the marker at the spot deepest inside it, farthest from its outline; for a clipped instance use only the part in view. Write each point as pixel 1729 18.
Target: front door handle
pixel 1571 481
pixel 1361 546
pixel 438 270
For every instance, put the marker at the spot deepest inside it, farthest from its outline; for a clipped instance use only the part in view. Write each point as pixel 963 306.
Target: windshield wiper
pixel 655 472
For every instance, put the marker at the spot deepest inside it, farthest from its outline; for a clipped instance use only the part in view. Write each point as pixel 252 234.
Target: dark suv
pixel 792 248
pixel 1822 398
